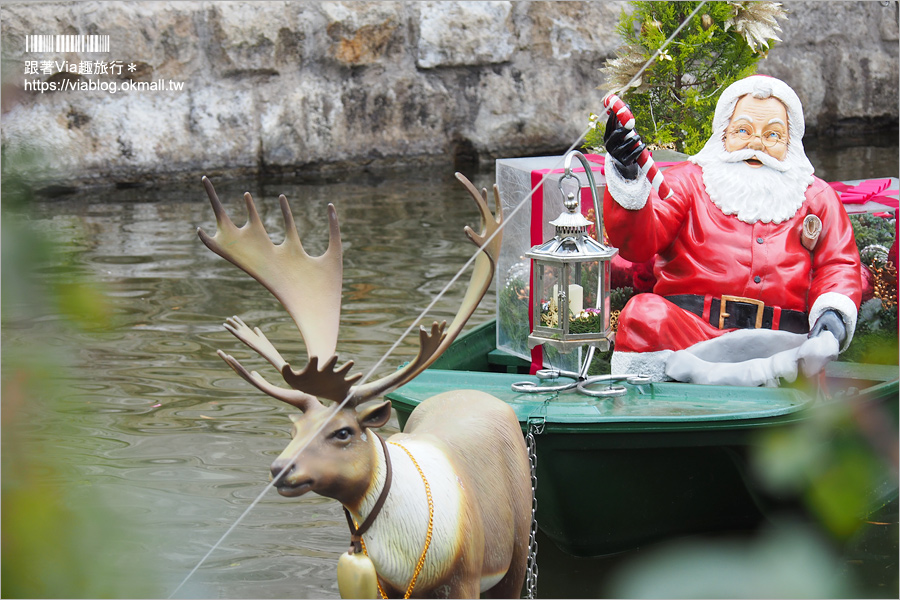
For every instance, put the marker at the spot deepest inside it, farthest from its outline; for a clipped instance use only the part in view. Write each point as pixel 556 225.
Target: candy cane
pixel 614 104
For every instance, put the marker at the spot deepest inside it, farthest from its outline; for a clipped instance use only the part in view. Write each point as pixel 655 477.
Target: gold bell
pixel 356 576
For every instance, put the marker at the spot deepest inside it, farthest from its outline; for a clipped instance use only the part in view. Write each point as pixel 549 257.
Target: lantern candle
pixel 576 299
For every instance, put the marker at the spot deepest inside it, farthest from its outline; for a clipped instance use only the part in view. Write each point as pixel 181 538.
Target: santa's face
pixel 749 168
pixel 758 124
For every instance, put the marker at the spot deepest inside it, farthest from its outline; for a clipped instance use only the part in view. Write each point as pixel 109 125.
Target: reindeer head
pixel 338 456
pixel 338 453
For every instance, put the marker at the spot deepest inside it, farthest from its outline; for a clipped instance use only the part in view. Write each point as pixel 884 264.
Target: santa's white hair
pixel 773 192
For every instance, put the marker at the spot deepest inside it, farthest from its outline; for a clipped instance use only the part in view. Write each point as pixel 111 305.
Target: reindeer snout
pixel 280 470
pixel 287 481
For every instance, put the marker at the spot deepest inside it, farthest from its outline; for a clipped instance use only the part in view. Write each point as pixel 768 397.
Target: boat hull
pixel 666 459
pixel 600 494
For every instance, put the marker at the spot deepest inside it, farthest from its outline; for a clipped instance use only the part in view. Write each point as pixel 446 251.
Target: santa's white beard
pixel 770 193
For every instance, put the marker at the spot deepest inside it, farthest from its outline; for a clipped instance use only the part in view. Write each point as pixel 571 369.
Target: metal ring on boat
pixel 554 374
pixel 530 387
pixel 612 391
pixel 609 392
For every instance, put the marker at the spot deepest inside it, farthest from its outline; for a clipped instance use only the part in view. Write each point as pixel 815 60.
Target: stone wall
pixel 300 87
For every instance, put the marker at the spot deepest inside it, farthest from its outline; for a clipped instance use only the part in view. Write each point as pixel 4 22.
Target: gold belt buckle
pixel 760 307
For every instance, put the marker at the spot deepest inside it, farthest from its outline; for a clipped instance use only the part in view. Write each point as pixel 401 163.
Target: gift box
pixel 528 215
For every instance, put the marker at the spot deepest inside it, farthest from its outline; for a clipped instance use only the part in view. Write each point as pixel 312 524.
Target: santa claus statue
pixel 757 271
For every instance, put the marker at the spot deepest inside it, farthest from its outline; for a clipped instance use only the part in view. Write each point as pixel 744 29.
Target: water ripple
pixel 150 416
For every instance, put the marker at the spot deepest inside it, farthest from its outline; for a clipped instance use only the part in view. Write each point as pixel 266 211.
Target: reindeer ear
pixel 375 415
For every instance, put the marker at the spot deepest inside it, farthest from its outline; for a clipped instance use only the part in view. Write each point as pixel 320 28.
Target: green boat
pixel 662 460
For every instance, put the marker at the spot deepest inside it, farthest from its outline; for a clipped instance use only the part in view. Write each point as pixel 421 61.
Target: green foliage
pixel 675 98
pixel 829 462
pixel 875 339
pixel 60 538
pixel 619 296
pixel 870 230
pixel 26 251
pixel 513 313
pixel 589 322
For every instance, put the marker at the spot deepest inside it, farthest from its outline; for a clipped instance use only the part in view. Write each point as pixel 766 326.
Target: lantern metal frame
pixel 569 249
pixel 579 382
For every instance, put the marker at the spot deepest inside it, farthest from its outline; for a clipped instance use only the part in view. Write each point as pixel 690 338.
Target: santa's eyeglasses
pixel 769 137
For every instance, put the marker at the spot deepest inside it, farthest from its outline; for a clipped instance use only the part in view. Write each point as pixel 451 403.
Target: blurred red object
pixel 638 276
pixel 867 279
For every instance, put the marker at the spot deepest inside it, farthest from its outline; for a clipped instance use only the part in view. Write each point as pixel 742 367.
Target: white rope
pixel 525 201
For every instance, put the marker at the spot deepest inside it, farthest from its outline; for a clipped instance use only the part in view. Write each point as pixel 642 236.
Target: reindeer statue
pixel 445 506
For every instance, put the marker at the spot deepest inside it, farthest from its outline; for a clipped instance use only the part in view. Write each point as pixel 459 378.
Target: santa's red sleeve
pixel 637 221
pixel 835 281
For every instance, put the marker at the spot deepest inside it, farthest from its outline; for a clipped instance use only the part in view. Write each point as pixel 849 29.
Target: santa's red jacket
pixel 702 251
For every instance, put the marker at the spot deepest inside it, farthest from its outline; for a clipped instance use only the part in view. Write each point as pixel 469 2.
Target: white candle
pixel 576 299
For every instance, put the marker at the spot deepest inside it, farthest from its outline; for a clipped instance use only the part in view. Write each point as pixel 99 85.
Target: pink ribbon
pixel 867 191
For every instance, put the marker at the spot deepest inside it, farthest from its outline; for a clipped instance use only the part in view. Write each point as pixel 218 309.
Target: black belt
pixel 730 312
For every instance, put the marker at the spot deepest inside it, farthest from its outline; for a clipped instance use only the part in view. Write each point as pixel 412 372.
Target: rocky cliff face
pixel 295 87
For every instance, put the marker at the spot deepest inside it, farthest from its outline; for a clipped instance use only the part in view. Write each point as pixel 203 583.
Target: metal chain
pixel 535 427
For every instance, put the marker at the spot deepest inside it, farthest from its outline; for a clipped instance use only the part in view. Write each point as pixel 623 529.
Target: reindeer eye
pixel 343 434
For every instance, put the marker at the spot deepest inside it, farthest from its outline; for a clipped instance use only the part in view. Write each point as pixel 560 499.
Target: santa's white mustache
pixel 747 153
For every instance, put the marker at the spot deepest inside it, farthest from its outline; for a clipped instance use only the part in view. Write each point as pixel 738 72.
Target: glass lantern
pixel 570 276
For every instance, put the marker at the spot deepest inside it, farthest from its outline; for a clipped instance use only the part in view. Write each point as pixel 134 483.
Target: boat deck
pixel 473 362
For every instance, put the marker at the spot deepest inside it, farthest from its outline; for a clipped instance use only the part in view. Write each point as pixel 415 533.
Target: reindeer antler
pixel 432 345
pixel 301 400
pixel 310 289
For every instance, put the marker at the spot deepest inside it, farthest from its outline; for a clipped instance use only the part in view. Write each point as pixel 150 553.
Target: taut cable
pixel 525 200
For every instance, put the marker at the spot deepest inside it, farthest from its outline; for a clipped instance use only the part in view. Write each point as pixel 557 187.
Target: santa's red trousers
pixel 649 323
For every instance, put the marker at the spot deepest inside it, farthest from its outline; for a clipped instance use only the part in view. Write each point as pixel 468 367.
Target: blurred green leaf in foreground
pixel 835 535
pixel 60 538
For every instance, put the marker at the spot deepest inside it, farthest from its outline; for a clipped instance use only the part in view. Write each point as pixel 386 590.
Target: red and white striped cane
pixel 614 104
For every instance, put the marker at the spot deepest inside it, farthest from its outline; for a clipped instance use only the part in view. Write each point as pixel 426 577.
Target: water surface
pixel 153 420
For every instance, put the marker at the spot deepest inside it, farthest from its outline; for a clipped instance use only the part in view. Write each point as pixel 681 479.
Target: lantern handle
pixel 598 215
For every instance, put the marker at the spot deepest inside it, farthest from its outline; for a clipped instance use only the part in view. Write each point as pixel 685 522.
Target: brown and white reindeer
pixel 446 505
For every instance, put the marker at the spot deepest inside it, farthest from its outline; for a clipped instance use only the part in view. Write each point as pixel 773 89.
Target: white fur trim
pixel 752 357
pixel 841 303
pixel 746 357
pixel 817 352
pixel 649 364
pixel 630 195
